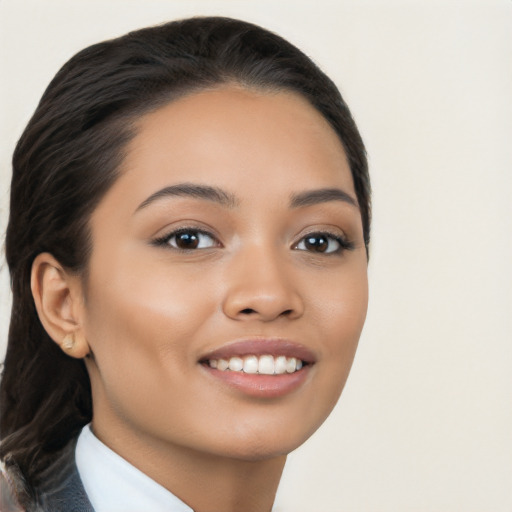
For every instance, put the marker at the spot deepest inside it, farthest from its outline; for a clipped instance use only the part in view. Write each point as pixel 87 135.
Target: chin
pixel 256 452
pixel 266 441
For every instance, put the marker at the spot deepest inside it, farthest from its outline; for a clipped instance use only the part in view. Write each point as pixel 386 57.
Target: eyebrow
pixel 206 192
pixel 322 195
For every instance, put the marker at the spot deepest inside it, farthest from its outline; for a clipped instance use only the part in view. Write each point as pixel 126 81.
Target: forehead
pixel 237 139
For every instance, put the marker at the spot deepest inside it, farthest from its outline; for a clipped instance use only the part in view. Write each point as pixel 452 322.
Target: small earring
pixel 68 342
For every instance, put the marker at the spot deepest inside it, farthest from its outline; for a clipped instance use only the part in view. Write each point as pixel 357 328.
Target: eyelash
pixel 165 239
pixel 343 243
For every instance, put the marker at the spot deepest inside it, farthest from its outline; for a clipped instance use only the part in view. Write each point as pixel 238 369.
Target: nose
pixel 261 287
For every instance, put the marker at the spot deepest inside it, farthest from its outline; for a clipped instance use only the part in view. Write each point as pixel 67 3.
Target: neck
pixel 205 482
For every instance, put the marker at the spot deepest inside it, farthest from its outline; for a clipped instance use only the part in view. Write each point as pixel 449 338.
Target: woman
pixel 187 246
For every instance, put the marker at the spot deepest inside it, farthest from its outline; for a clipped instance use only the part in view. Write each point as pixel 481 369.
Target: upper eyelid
pixel 180 227
pixel 333 233
pixel 202 231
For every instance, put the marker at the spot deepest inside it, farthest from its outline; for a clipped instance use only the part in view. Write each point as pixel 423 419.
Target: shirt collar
pixel 113 485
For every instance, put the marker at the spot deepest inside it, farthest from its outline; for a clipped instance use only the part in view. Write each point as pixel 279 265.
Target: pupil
pixel 316 243
pixel 187 240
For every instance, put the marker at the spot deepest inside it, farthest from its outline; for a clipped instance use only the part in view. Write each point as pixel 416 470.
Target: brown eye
pixel 316 243
pixel 320 243
pixel 190 239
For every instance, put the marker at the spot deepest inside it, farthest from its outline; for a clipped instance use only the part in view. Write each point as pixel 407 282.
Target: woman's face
pixel 232 237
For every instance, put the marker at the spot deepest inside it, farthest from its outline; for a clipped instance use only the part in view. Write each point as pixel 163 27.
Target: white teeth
pixel 236 364
pixel 251 364
pixel 264 365
pixel 222 365
pixel 291 365
pixel 280 365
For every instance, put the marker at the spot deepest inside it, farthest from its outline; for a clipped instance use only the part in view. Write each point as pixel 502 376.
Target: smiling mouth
pixel 265 368
pixel 264 364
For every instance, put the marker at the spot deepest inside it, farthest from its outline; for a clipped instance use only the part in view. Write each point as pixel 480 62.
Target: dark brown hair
pixel 68 157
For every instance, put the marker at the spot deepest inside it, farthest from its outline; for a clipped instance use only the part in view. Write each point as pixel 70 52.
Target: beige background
pixel 425 422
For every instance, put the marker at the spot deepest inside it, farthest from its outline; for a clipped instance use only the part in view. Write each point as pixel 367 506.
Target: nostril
pixel 250 311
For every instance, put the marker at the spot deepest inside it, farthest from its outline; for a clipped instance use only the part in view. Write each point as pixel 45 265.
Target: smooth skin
pixel 247 263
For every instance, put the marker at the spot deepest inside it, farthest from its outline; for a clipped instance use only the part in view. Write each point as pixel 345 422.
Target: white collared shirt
pixel 113 485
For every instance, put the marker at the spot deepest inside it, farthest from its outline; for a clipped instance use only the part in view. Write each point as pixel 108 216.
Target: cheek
pixel 150 302
pixel 341 310
pixel 140 323
pixel 341 307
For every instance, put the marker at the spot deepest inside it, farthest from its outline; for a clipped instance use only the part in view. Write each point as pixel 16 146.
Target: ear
pixel 59 303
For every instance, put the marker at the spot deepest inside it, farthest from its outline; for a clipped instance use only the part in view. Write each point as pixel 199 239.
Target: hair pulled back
pixel 68 157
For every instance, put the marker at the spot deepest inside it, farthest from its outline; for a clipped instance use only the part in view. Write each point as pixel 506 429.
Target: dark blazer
pixel 62 490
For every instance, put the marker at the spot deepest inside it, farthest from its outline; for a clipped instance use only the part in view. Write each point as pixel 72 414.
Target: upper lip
pixel 262 346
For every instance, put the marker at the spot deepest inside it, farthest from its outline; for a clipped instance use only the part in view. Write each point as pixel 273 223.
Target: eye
pixel 187 239
pixel 323 243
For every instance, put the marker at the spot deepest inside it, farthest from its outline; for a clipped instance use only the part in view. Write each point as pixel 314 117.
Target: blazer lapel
pixel 63 490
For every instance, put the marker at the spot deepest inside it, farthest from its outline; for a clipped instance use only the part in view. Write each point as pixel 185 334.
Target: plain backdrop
pixel 425 421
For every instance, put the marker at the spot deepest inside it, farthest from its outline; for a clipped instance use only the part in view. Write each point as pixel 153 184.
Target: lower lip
pixel 261 386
